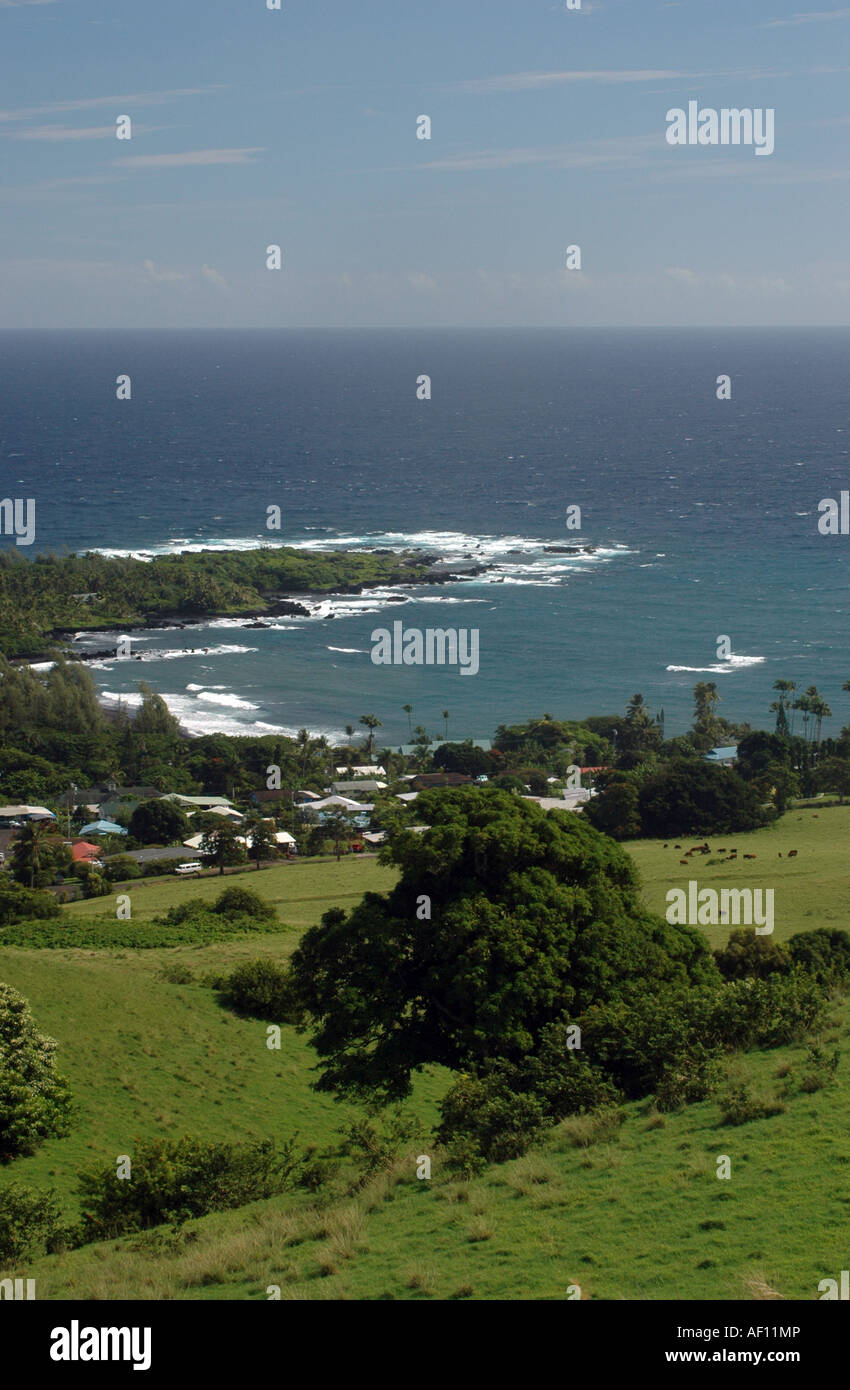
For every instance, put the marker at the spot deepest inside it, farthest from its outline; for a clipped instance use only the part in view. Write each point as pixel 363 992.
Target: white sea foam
pixel 196 719
pixel 454 547
pixel 214 697
pixel 722 668
pixel 169 654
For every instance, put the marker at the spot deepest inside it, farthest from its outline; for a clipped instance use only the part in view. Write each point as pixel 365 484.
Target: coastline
pixel 278 606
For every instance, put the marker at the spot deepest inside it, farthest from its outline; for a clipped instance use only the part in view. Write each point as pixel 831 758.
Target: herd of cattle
pixel 733 853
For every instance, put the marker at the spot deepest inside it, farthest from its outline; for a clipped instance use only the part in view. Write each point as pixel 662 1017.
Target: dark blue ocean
pixel 702 513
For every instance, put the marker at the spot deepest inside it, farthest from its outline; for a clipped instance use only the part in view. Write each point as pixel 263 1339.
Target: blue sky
pixel 298 127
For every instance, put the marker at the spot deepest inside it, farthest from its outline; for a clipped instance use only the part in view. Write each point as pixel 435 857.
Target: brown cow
pixel 749 856
pixel 791 853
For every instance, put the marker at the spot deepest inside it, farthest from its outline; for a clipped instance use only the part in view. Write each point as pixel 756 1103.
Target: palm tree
pixel 820 710
pixel 422 742
pixel 786 690
pixel 303 742
pixel 29 845
pixel 446 717
pixel 408 709
pixel 371 722
pixel 804 704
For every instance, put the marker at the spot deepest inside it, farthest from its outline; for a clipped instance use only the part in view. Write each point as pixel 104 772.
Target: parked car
pixel 194 867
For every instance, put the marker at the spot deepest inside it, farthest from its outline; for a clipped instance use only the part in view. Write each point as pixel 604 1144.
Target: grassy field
pixel 301 891
pixel 812 890
pixel 637 1214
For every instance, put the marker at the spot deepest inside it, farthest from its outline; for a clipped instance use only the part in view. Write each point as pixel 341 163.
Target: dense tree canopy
pixel 688 798
pixel 504 921
pixel 159 823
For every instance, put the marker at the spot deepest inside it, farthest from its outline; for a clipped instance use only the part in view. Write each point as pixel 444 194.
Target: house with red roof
pixel 83 851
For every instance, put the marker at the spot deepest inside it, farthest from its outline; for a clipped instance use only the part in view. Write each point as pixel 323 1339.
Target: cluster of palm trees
pixel 811 706
pixel 408 709
pixel 371 722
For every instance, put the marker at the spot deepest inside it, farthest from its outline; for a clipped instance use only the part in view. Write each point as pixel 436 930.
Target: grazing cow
pixel 814 817
pixel 683 861
pixel 791 853
pixel 664 846
pixel 749 856
pixel 677 846
pixel 779 854
pixel 721 851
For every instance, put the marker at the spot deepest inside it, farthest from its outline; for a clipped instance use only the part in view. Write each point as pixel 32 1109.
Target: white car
pixel 195 867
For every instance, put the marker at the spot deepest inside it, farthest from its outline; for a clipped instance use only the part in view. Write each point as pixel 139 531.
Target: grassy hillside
pixel 637 1215
pixel 635 1212
pixel 148 1057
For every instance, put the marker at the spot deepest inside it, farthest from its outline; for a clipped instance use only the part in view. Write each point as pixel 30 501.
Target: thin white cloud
pixel 190 157
pixel 214 276
pixel 540 81
pixel 163 275
pixel 531 81
pixel 815 17
pixel 54 108
pixel 61 132
pixel 588 154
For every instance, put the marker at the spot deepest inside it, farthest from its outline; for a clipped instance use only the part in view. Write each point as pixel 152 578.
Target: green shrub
pixel 121 867
pixel 747 956
pixel 157 868
pixel 24 904
pixel 739 1105
pixel 186 911
pixel 375 1142
pixel 243 902
pixel 96 886
pixel 35 1101
pixel 824 953
pixel 822 1068
pixel 174 1180
pixel 29 1222
pixel 658 1044
pixel 769 1012
pixel 261 989
pixel 484 1115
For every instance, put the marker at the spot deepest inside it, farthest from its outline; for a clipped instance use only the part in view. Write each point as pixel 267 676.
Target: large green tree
pixel 504 921
pixel 35 1102
pixel 159 823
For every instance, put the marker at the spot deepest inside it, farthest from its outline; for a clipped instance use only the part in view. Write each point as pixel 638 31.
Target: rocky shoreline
pixel 286 606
